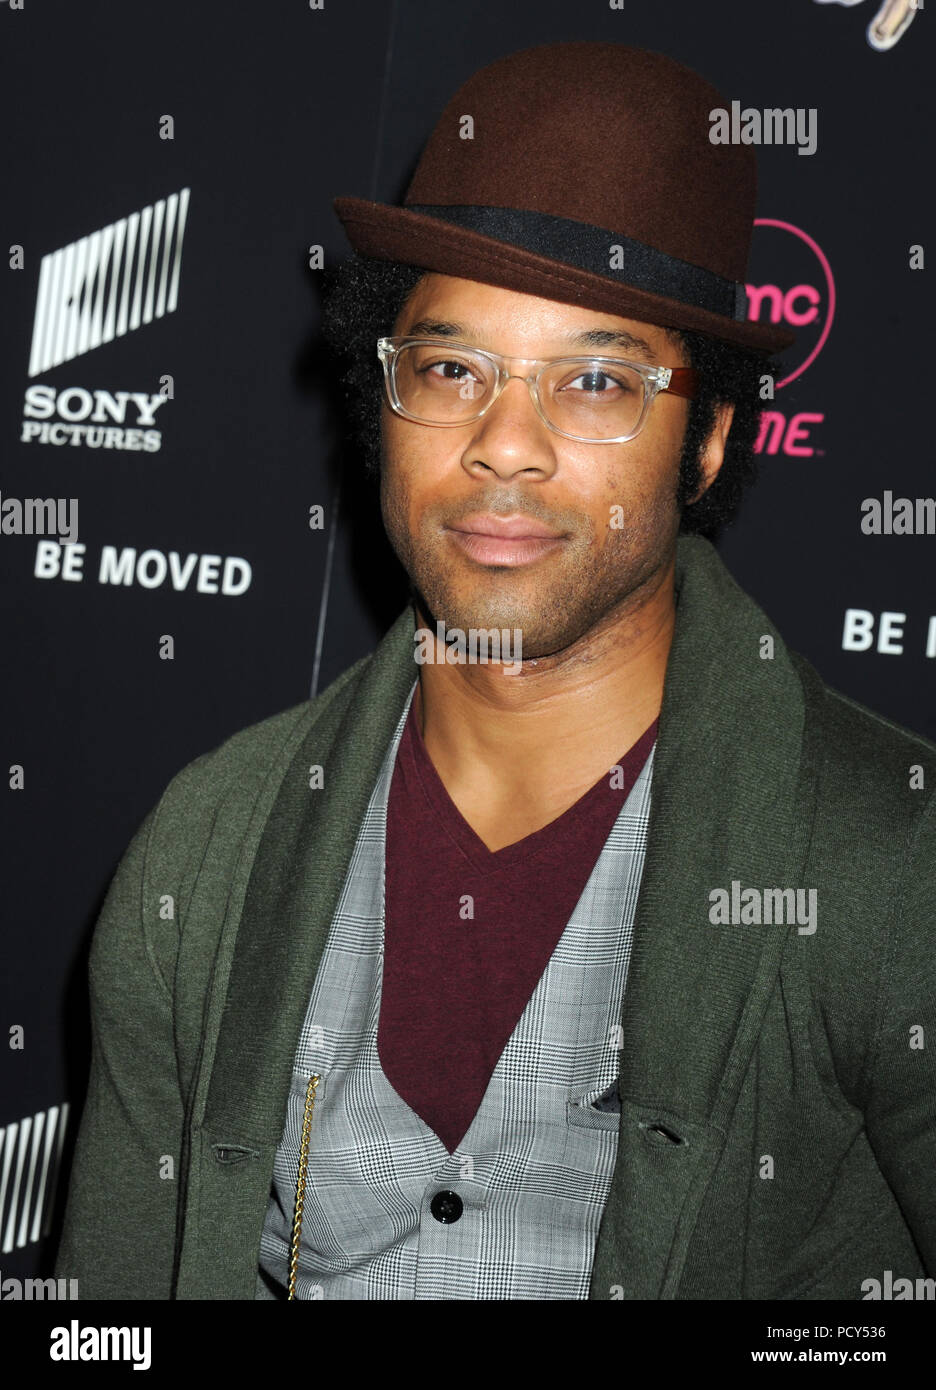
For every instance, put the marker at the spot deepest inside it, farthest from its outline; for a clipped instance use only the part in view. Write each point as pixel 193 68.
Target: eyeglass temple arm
pixel 684 381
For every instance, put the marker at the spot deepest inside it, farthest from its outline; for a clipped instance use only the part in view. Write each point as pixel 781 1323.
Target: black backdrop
pixel 275 110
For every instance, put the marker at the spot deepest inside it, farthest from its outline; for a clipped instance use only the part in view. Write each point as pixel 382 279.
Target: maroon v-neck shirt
pixel 469 931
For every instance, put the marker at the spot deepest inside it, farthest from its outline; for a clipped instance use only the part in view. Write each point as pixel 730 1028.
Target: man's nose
pixel 511 437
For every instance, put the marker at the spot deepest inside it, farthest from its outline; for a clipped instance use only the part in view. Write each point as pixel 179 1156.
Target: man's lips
pixel 496 540
pixel 505 527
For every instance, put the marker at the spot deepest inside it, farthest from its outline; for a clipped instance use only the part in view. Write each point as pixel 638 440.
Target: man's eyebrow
pixel 587 338
pixel 613 337
pixel 437 328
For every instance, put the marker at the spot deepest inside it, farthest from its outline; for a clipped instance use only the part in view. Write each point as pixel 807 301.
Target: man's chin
pixel 523 633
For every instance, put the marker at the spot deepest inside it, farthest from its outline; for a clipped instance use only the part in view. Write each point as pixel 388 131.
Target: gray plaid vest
pixel 531 1176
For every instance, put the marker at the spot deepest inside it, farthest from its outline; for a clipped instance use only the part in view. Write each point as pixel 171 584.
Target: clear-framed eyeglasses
pixel 593 400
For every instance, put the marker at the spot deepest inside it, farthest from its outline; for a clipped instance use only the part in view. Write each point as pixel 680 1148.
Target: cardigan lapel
pixel 293 891
pixel 727 804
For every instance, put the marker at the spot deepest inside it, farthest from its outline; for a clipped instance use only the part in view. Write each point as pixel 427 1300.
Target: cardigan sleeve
pixel 118 1238
pixel 900 1085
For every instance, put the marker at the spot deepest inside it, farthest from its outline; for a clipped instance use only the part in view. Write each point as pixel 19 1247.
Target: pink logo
pixel 786 436
pixel 800 304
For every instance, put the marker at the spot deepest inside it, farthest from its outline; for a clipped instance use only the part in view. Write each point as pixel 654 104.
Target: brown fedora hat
pixel 583 172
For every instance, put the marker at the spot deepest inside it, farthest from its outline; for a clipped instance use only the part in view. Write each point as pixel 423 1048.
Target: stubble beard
pixel 557 602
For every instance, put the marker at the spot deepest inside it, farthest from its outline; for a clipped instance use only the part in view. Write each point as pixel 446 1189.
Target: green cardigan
pixel 787 1064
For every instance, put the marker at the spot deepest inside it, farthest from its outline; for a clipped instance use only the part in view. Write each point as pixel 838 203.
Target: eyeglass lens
pixel 594 400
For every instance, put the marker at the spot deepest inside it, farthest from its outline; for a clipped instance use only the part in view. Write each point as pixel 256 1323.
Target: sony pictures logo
pixel 94 419
pixel 101 287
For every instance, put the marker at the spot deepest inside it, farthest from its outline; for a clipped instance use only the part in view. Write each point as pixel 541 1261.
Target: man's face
pixel 613 506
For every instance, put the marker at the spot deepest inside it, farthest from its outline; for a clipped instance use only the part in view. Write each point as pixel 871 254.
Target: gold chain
pixel 301 1184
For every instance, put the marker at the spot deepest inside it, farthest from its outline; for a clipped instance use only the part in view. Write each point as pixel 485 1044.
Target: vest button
pixel 446 1207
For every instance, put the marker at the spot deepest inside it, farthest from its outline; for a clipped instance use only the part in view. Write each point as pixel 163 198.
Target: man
pixel 590 961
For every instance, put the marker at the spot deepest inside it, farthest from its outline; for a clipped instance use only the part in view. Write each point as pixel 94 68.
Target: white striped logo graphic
pixel 30 1155
pixel 106 284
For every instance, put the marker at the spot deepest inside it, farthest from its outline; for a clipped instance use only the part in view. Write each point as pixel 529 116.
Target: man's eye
pixel 453 375
pixel 597 382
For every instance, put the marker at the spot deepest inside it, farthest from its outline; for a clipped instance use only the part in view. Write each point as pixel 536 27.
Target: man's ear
pixel 713 455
